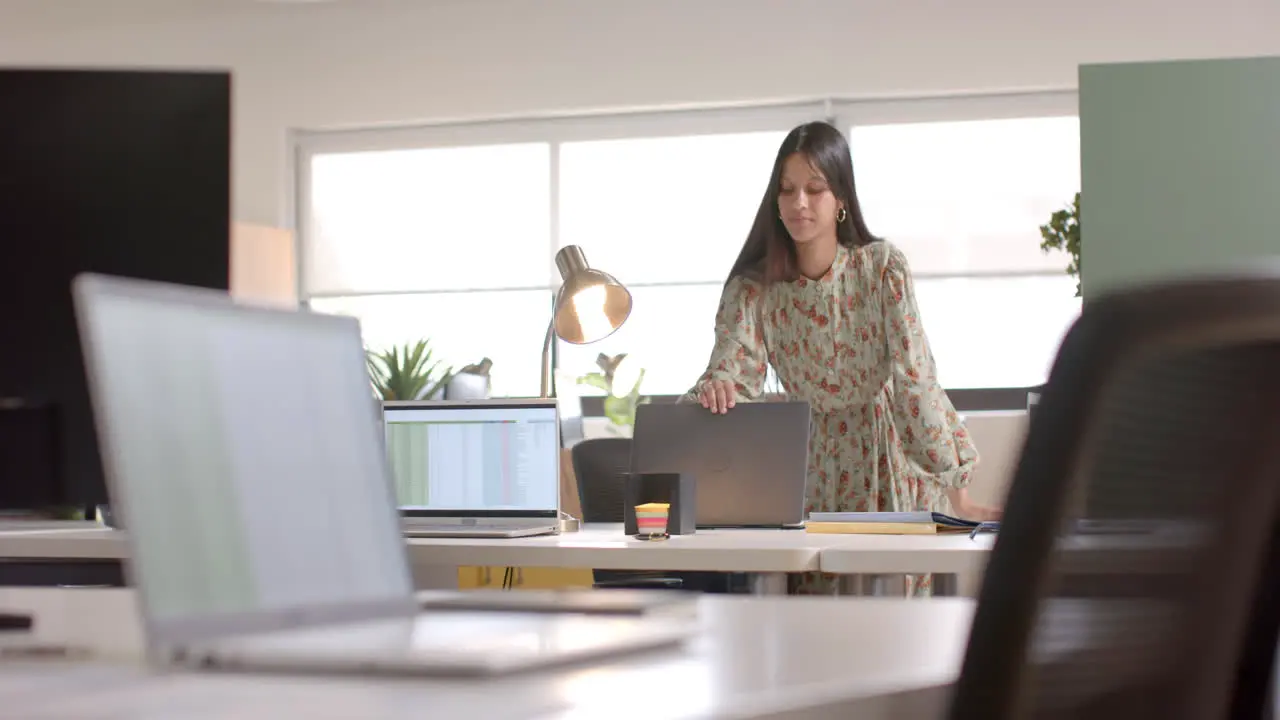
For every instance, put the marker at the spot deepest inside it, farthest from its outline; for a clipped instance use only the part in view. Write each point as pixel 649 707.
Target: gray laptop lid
pixel 241 452
pixel 494 459
pixel 749 464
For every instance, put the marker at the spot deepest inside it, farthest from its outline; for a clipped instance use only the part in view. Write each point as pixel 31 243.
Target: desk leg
pixel 867 585
pixel 769 584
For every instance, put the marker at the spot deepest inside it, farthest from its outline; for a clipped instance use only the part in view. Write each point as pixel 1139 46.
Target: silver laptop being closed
pixel 749 464
pixel 475 468
pixel 242 450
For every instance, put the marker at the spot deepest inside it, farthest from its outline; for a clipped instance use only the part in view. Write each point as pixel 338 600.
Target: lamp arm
pixel 546 358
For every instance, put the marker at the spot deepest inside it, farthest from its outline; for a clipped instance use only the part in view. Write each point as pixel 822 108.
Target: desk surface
pixel 753 658
pixel 605 546
pixel 888 554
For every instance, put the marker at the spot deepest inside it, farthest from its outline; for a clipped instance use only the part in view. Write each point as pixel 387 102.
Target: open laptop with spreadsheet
pixel 241 448
pixel 475 468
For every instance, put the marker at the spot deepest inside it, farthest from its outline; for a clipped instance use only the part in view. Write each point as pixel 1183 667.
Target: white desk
pixel 766 554
pixel 874 564
pixel 50 543
pixel 892 554
pixel 598 546
pixel 754 658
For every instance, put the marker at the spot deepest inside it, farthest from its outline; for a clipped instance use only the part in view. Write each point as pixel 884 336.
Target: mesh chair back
pixel 601 466
pixel 1141 520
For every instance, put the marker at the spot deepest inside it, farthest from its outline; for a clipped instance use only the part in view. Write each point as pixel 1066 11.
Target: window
pixel 448 233
pixel 664 210
pixel 964 201
pixel 507 327
pixel 445 244
pixel 432 219
pixel 996 332
pixel 667 217
pixel 968 197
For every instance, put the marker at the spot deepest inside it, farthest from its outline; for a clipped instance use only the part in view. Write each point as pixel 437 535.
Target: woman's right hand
pixel 718 395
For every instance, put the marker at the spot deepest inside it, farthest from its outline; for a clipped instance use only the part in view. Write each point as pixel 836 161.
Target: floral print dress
pixel 885 436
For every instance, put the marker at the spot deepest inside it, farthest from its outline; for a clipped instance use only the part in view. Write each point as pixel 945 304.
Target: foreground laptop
pixel 475 468
pixel 749 464
pixel 242 451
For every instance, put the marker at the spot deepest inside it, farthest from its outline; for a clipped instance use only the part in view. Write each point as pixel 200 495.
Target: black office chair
pixel 601 466
pixel 1135 574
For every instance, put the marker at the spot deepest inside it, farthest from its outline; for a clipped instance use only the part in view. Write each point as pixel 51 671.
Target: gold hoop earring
pixel 842 215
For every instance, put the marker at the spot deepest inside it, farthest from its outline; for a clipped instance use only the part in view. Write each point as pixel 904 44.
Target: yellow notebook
pixel 887 523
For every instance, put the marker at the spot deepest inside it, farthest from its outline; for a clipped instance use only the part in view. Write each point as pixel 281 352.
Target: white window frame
pixel 998 106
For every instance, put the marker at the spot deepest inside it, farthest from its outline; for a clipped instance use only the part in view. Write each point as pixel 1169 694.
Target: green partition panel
pixel 1180 168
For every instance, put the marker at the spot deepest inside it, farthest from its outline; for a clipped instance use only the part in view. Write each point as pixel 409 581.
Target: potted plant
pixel 1063 233
pixel 622 389
pixel 472 382
pixel 406 372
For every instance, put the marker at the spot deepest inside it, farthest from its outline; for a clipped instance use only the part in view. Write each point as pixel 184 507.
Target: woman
pixel 832 309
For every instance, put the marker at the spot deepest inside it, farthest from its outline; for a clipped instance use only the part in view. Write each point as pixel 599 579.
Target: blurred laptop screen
pixel 240 447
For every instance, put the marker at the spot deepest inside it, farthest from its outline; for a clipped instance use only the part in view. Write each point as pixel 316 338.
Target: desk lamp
pixel 590 306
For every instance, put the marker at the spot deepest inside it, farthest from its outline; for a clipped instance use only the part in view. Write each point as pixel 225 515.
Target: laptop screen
pixel 478 459
pixel 242 454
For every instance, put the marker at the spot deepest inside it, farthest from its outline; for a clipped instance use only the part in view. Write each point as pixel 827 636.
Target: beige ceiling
pixel 27 16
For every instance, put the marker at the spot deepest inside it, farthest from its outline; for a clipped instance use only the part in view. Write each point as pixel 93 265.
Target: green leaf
pixel 406 372
pixel 620 411
pixel 635 389
pixel 595 380
pixel 1062 232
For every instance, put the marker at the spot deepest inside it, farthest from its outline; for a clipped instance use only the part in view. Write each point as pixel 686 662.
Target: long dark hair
pixel 769 254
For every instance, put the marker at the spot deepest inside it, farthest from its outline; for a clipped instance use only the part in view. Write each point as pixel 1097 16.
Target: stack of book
pixel 891 523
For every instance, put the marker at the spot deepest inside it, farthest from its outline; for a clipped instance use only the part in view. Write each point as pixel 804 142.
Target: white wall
pixel 358 62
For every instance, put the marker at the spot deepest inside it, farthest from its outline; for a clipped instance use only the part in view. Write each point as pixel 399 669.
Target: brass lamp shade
pixel 591 304
pixel 589 307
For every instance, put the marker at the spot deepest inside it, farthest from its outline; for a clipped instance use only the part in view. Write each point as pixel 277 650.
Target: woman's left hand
pixel 981 513
pixel 969 510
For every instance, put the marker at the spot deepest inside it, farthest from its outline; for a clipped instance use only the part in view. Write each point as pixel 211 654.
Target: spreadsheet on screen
pixel 474 458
